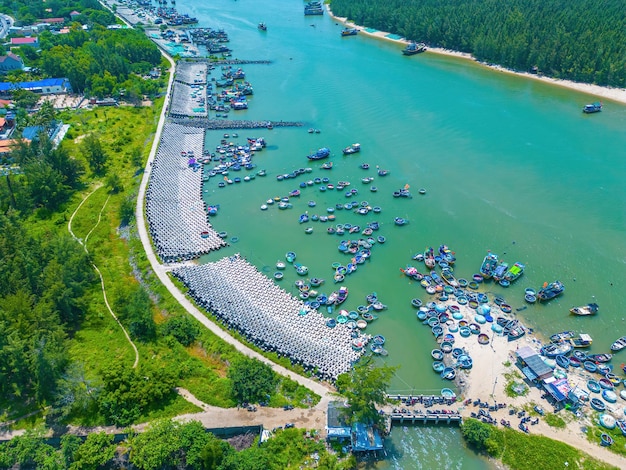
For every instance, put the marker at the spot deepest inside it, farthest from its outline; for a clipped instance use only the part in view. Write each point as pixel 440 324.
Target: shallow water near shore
pixel 508 164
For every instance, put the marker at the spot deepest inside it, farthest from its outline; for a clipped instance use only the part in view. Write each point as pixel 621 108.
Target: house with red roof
pixel 74 14
pixel 30 41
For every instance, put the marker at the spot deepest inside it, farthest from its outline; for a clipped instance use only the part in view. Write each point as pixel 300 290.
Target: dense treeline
pixel 579 40
pixel 42 284
pixel 170 445
pixel 27 11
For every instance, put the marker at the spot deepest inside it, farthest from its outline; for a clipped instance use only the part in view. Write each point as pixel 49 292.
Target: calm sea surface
pixel 509 164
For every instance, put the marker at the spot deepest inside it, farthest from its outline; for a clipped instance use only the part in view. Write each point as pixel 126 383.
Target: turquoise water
pixel 509 164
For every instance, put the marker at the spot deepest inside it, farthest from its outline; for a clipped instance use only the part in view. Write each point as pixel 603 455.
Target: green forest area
pixel 581 40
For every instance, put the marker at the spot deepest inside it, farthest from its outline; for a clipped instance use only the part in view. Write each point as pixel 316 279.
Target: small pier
pixel 410 400
pixel 209 124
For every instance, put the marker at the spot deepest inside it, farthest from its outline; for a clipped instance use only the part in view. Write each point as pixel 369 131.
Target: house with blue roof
pixel 46 86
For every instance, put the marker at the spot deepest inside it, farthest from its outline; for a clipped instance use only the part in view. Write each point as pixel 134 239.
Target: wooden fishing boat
pixel 447 276
pixel 604 357
pixel 514 272
pixel 581 341
pixel 489 265
pixel 500 271
pixel 589 309
pixel 619 344
pixel 429 258
pixel 550 291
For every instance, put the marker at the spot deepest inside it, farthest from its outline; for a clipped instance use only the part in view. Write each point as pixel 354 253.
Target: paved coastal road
pixel 6 22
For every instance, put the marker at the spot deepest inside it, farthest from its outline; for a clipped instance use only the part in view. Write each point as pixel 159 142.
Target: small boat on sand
pixel 589 309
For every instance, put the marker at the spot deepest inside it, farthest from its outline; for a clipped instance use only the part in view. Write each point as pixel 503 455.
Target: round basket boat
pixel 433 321
pixel 477 278
pixel 473 285
pixel 448 394
pixel 462 300
pixel 456 352
pixel 480 319
pixel 446 347
pixel 473 304
pixel 593 386
pixel 379 339
pixel 453 328
pixel 506 308
pixel 437 330
pixel 437 354
pixel 474 328
pixel 417 303
pixel 457 316
pixel 483 339
pixel 421 315
pixel 496 328
pixel 609 396
pixel 462 282
pixel 438 366
pixel 448 289
pixel 341 319
pixel 278 275
pixel 464 331
pixel 530 298
pixel 607 421
pixel 622 394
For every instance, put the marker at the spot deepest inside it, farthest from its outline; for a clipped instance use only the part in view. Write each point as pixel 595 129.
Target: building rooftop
pixel 23 41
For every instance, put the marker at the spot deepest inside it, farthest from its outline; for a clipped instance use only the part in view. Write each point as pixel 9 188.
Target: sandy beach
pixel 614 94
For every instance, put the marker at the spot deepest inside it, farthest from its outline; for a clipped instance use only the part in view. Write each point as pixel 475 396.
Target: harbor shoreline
pixel 609 93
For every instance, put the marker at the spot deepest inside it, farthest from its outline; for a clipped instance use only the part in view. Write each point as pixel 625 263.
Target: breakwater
pixel 213 124
pixel 249 302
pixel 177 216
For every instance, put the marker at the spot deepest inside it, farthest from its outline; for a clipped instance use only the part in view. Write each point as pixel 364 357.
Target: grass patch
pixel 515 386
pixel 555 421
pixel 520 451
pixel 595 431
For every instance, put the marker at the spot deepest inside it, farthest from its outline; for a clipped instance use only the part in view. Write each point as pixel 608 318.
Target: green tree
pixel 167 444
pixel 95 154
pixel 476 433
pixel 94 453
pixel 251 380
pixel 365 388
pixel 183 328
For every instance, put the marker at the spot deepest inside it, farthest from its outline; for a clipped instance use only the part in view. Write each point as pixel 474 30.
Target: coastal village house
pixel 538 372
pixel 360 436
pixel 29 41
pixel 10 62
pixel 52 86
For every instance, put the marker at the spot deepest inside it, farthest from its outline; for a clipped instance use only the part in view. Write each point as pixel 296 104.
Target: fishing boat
pixel 349 32
pixel 448 373
pixel 400 221
pixel 262 27
pixel 320 154
pixel 604 357
pixel 489 265
pixel 500 271
pixel 514 272
pixel 414 48
pixel 354 148
pixel 619 344
pixel 304 218
pixel 554 349
pixel 592 108
pixel 447 276
pixel 581 341
pixel 550 291
pixel 562 336
pixel 290 256
pixel 589 309
pixel 429 258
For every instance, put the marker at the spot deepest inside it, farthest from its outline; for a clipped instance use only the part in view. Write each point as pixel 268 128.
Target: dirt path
pixel 83 243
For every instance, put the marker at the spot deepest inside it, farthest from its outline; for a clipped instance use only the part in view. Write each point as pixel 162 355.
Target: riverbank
pixel 614 94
